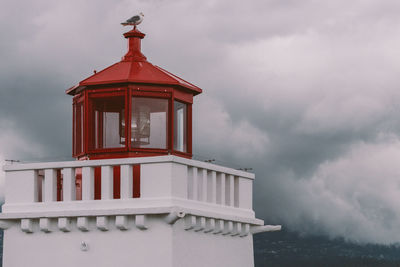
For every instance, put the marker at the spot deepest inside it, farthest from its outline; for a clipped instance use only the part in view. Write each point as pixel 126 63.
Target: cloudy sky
pixel 307 93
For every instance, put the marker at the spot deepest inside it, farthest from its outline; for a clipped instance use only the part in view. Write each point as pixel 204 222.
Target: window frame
pixel 91 131
pixel 78 100
pixel 155 95
pixel 187 99
pixel 186 126
pixel 128 91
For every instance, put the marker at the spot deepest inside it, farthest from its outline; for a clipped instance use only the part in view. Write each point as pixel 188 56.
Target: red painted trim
pixel 97 183
pixel 117 182
pixel 150 88
pixel 125 81
pixel 172 121
pixel 107 89
pixel 136 181
pixel 183 96
pixel 182 154
pixel 105 94
pixel 129 119
pixel 189 129
pixel 99 130
pixel 87 124
pixel 119 81
pixel 78 97
pixel 151 94
pixel 79 155
pixel 127 155
pixel 59 186
pixel 86 108
pixel 104 150
pixel 77 102
pixel 74 153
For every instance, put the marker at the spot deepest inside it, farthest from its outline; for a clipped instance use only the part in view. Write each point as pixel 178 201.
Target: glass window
pixel 108 122
pixel 149 125
pixel 78 128
pixel 180 127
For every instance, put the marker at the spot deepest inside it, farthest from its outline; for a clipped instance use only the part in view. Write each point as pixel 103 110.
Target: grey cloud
pixel 353 196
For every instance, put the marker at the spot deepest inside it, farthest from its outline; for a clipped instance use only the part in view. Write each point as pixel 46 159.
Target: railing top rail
pixel 126 161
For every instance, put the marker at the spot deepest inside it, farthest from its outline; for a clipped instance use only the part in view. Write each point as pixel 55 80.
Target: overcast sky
pixel 307 93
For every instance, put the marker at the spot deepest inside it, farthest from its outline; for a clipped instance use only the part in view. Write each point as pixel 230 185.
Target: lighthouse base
pixel 104 242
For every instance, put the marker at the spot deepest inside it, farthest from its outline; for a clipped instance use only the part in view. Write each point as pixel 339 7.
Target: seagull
pixel 135 20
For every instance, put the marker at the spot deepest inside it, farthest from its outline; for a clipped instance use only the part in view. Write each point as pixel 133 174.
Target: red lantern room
pixel 132 108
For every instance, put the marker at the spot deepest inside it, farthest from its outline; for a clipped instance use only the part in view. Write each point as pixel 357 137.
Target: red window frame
pixel 129 91
pixel 78 100
pixel 187 99
pixel 148 93
pixel 93 94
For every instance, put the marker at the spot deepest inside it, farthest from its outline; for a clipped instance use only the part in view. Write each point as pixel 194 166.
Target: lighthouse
pixel 134 196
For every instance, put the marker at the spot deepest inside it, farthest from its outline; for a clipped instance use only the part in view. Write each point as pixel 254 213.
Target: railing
pixel 161 178
pixel 218 187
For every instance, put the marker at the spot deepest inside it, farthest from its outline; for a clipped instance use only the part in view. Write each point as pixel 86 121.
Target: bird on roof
pixel 134 21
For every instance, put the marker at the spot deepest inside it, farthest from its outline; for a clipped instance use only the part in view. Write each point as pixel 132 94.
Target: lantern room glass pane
pixel 180 126
pixel 108 122
pixel 149 122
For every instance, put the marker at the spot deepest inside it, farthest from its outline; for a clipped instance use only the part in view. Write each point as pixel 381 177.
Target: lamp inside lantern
pixel 149 122
pixel 140 125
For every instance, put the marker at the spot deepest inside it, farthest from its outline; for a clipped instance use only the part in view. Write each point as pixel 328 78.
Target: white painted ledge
pixel 126 161
pixel 118 206
pixel 265 228
pixel 129 211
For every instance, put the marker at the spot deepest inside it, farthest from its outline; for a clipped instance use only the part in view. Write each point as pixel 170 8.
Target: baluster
pixel 212 187
pixel 190 183
pixel 223 189
pixel 69 193
pixel 229 193
pixel 87 183
pixel 231 189
pixel 236 192
pixel 107 182
pixel 245 189
pixel 126 181
pixel 195 187
pixel 203 196
pixel 50 185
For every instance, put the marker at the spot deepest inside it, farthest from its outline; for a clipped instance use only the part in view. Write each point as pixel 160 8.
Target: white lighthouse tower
pixel 134 196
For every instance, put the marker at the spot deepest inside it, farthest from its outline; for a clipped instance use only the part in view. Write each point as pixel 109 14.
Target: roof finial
pixel 134 21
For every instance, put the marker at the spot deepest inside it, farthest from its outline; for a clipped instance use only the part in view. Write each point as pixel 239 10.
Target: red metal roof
pixel 134 68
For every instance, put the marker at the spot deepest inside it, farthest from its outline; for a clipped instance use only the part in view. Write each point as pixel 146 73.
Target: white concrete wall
pixel 161 244
pixel 190 213
pixel 133 247
pixel 195 248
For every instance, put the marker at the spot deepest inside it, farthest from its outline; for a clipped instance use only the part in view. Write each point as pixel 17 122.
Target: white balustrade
pixel 166 177
pixel 219 188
